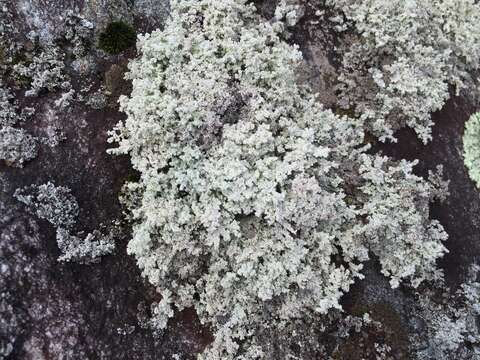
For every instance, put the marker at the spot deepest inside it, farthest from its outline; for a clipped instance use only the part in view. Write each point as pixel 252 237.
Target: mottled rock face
pixel 56 310
pixel 460 212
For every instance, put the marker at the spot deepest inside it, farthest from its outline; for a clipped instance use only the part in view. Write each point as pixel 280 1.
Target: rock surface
pixel 54 310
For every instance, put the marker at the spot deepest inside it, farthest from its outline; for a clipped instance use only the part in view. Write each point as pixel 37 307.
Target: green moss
pixel 117 37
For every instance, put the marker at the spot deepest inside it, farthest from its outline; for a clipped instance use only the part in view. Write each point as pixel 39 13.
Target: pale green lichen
pixel 57 205
pixel 8 111
pixel 471 147
pixel 289 11
pixel 46 72
pixel 398 68
pixel 451 329
pixel 256 206
pixel 53 203
pixel 85 250
pixel 17 146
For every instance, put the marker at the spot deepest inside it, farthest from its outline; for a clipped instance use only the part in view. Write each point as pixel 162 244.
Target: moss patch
pixel 117 37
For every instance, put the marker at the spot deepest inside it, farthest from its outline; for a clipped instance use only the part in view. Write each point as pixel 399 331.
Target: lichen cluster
pixel 471 147
pixel 84 250
pixel 256 206
pixel 450 322
pixel 59 207
pixel 17 146
pixel 45 72
pixel 399 59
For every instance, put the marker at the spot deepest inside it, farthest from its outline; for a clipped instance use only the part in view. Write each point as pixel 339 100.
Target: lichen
pixel 97 100
pixel 451 329
pixel 85 250
pixel 241 210
pixel 289 11
pixel 46 72
pixel 471 147
pixel 404 56
pixel 8 111
pixel 17 146
pixel 59 207
pixel 53 203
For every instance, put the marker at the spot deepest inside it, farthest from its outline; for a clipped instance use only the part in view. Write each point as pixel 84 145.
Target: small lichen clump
pixel 8 113
pixel 59 207
pixel 405 55
pixel 471 147
pixel 84 250
pixel 451 329
pixel 255 205
pixel 53 203
pixel 45 72
pixel 17 146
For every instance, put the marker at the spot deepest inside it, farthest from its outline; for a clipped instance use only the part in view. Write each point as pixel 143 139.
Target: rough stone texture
pixel 53 310
pixel 460 212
